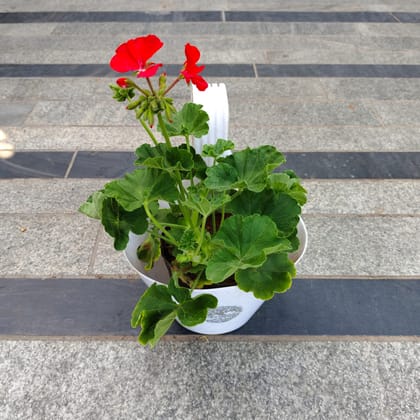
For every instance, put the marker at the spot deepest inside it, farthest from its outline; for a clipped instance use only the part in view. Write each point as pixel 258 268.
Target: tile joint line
pixel 395 17
pixel 73 158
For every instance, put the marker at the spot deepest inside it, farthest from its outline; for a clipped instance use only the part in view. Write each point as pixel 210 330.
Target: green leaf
pixel 155 298
pixel 190 121
pixel 216 150
pixel 200 200
pixel 155 311
pixel 279 206
pixel 243 242
pixel 145 152
pixel 118 222
pixel 288 183
pixel 274 276
pixel 200 166
pixel 154 325
pixel 142 185
pixel 247 168
pixel 92 207
pixel 221 177
pixel 181 294
pixel 194 311
pixel 166 158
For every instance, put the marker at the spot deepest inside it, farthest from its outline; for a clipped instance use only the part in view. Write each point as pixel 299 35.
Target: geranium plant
pixel 232 222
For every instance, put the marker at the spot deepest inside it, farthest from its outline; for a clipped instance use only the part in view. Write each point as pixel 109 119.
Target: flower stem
pixel 172 85
pixel 149 132
pixel 151 87
pixel 142 91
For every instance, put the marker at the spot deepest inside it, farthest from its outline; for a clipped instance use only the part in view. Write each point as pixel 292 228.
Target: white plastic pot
pixel 235 307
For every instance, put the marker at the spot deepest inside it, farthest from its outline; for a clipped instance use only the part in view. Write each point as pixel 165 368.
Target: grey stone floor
pixel 358 228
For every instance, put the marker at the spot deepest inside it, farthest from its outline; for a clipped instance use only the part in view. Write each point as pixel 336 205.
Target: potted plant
pixel 226 231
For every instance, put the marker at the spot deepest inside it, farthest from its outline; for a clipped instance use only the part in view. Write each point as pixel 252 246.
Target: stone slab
pixel 14 113
pixel 397 112
pixel 376 89
pixel 346 245
pixel 361 246
pixel 309 113
pixel 46 244
pixel 70 138
pixel 57 88
pixel 190 29
pixel 45 196
pixel 286 138
pixel 332 139
pixel 374 197
pixel 330 380
pixel 364 197
pixel 304 114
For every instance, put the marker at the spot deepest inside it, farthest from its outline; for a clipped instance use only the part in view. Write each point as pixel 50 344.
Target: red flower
pixel 134 54
pixel 191 70
pixel 122 82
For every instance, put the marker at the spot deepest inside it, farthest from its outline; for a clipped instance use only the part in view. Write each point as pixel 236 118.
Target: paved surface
pixel 361 226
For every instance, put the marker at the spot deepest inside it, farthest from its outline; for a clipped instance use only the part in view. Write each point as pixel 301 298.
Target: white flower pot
pixel 235 307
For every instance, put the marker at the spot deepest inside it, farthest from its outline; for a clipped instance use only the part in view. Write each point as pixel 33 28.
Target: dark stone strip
pixel 339 70
pixel 373 165
pixel 95 307
pixel 102 164
pixel 36 165
pixel 321 165
pixel 405 17
pixel 103 70
pixel 223 70
pixel 205 16
pixel 61 17
pixel 241 16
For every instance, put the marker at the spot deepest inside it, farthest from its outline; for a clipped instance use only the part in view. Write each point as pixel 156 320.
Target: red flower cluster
pixel 134 55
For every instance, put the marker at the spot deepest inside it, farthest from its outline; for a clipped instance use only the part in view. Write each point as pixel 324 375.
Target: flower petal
pixel 133 54
pixel 192 53
pixel 149 71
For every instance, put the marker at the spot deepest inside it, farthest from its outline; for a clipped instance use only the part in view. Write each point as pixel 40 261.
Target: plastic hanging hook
pixel 215 102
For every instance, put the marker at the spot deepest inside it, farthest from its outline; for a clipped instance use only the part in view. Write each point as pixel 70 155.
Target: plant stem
pixel 172 85
pixel 159 225
pixel 164 131
pixel 197 279
pixel 149 132
pixel 142 91
pixel 151 87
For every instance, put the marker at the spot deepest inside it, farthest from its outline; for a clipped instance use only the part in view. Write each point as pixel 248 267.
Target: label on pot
pixel 223 314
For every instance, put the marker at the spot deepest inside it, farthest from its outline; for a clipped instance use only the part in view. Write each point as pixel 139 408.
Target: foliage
pixel 237 217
